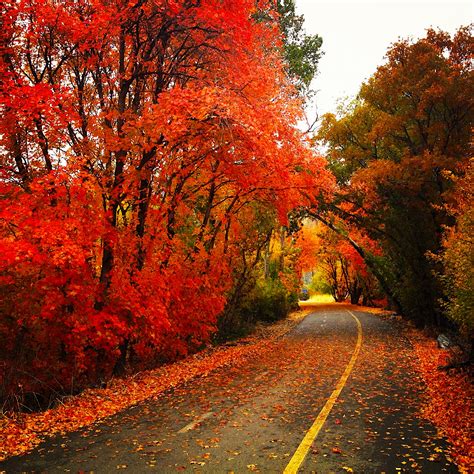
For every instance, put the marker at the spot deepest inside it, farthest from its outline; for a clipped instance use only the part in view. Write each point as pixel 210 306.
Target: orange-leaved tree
pixel 137 137
pixel 392 153
pixel 331 255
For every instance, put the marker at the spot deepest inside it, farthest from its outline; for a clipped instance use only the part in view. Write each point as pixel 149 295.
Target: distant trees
pixel 337 263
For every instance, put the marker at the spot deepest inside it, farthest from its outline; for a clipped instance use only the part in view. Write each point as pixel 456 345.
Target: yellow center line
pixel 312 433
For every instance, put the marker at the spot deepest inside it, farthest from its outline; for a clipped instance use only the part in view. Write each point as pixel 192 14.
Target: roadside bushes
pixel 458 261
pixel 268 300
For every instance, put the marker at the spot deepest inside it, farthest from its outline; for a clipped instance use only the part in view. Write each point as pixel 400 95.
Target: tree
pixel 391 152
pixel 458 258
pixel 302 52
pixel 137 137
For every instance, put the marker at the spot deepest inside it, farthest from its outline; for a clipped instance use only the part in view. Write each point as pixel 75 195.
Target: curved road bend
pixel 254 418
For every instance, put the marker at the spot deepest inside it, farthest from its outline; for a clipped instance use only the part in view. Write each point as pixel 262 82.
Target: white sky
pixel 356 35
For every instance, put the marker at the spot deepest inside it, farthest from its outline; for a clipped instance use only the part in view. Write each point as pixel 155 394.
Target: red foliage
pixel 25 431
pixel 136 136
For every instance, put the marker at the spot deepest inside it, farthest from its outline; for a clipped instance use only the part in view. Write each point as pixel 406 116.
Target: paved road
pixel 254 418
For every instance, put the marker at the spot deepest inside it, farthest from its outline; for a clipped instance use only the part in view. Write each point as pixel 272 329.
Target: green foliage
pixel 258 292
pixel 269 301
pixel 301 51
pixel 458 259
pixel 267 285
pixel 319 283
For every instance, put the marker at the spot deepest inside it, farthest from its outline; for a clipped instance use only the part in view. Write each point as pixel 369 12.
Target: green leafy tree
pixel 458 259
pixel 301 50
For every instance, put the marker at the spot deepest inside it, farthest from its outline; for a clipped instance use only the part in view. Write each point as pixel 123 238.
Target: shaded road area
pixel 253 418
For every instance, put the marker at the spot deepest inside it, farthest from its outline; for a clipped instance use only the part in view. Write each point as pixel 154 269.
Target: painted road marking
pixel 312 433
pixel 196 422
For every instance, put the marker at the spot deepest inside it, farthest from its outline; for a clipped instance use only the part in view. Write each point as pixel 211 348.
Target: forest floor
pixel 248 406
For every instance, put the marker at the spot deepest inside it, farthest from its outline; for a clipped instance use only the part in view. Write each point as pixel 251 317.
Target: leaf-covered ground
pixel 22 432
pixel 258 397
pixel 450 394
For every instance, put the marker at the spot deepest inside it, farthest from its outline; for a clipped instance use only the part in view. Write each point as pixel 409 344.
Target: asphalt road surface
pixel 351 391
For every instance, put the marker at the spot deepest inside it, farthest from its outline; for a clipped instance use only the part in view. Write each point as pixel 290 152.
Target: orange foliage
pixel 395 151
pixel 343 267
pixel 137 138
pixel 308 241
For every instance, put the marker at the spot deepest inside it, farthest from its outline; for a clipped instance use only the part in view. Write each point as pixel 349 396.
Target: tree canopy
pixel 142 142
pixel 395 151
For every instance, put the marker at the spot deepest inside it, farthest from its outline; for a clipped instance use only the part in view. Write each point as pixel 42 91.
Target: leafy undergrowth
pixel 451 395
pixel 21 432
